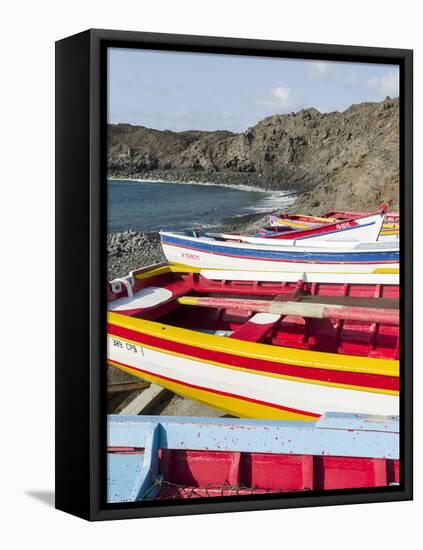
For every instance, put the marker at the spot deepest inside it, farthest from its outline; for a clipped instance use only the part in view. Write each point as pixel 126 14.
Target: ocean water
pixel 150 206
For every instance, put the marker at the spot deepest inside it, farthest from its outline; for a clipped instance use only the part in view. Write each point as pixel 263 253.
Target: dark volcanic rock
pixel 343 160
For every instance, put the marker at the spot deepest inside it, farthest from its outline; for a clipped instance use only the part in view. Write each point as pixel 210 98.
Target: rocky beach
pixel 129 250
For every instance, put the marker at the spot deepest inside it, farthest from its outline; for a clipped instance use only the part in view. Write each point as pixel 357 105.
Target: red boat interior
pixel 275 229
pixel 363 338
pixel 193 474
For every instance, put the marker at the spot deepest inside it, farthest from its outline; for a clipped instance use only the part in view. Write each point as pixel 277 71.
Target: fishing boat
pixel 298 221
pixel 261 345
pixel 286 223
pixel 228 251
pixel 390 228
pixel 161 458
pixel 362 228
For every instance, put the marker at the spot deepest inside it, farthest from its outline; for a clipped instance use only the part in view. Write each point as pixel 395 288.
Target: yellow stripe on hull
pixel 263 373
pixel 276 354
pixel 385 232
pixel 387 270
pixel 231 405
pixel 149 272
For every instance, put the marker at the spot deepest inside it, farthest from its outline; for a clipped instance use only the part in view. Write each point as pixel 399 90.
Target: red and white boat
pixel 362 228
pixel 261 345
pixel 289 223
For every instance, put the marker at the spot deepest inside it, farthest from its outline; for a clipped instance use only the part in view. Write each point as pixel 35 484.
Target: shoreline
pixel 243 180
pixel 240 186
pixel 268 202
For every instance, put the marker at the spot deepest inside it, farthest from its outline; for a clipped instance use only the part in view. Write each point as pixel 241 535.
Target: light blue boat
pixel 161 457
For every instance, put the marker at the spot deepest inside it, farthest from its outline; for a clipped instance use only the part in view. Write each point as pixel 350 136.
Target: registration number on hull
pixel 189 256
pixel 122 347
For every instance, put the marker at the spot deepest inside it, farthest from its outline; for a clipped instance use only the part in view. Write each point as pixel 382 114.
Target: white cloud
pixel 282 95
pixel 341 73
pixel 318 69
pixel 277 98
pixel 387 84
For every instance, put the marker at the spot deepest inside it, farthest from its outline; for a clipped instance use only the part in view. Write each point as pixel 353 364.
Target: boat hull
pixel 158 458
pixel 388 232
pixel 365 228
pixel 243 379
pixel 197 252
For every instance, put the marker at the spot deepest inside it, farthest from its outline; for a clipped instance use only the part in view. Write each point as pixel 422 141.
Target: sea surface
pixel 150 206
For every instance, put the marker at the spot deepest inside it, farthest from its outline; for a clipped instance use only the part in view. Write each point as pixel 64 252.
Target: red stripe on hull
pixel 218 392
pixel 323 229
pixel 296 261
pixel 339 377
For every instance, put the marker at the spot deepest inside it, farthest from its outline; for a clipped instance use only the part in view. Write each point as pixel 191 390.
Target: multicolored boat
pixel 362 228
pixel 224 251
pixel 286 223
pixel 161 458
pixel 261 345
pixel 390 228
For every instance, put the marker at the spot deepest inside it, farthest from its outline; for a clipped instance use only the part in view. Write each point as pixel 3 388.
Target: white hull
pixel 196 258
pixel 367 229
pixel 387 240
pixel 361 235
pixel 306 277
pixel 307 397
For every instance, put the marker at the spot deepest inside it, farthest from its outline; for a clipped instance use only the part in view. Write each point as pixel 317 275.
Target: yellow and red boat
pixel 258 344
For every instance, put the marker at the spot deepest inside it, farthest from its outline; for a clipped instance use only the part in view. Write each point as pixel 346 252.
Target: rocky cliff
pixel 335 160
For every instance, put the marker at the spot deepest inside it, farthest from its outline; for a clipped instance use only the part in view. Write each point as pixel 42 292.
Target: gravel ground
pixel 131 250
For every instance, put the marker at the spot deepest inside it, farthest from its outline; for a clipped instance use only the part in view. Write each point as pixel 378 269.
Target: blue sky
pixel 185 91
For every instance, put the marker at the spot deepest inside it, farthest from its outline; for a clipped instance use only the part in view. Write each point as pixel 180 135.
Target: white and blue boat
pixel 229 252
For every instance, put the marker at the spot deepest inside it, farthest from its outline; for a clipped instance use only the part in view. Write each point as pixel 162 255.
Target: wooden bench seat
pixel 256 328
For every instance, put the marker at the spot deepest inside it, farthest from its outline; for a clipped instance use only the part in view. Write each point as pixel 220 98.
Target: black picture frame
pixel 81 270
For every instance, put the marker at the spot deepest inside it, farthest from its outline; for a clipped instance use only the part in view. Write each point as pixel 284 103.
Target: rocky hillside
pixel 336 160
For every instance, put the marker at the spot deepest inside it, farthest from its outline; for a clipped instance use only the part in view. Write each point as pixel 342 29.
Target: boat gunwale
pixel 255 350
pixel 265 276
pixel 333 248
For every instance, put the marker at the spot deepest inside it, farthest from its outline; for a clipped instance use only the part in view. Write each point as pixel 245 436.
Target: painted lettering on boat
pixel 190 256
pixel 343 225
pixel 124 347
